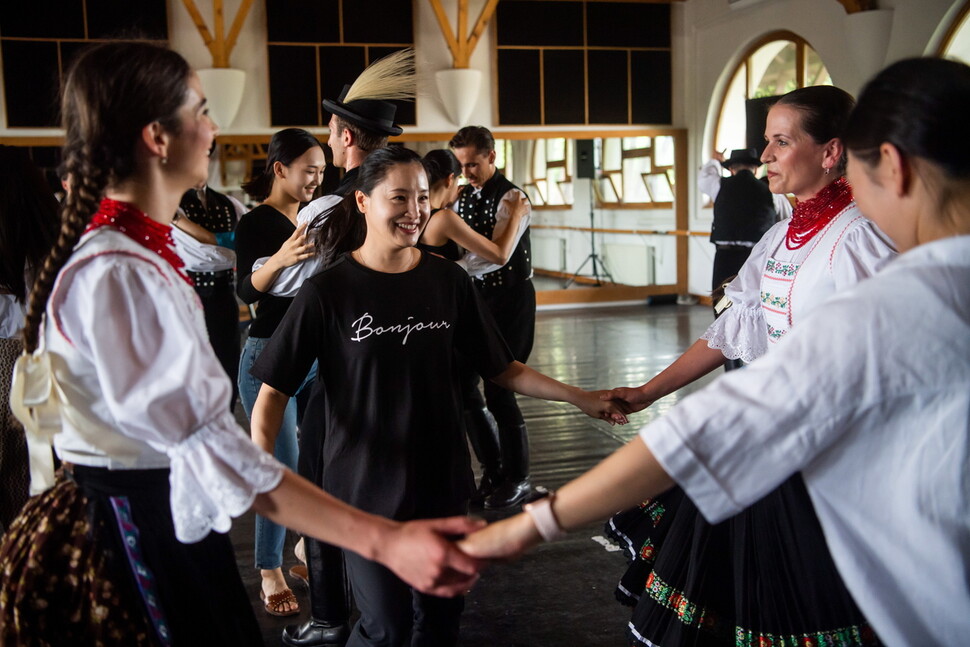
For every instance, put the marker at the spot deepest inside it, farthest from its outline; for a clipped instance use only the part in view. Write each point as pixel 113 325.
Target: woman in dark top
pixel 446 234
pixel 294 168
pixel 385 322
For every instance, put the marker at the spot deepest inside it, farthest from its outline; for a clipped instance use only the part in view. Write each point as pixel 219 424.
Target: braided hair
pixel 112 91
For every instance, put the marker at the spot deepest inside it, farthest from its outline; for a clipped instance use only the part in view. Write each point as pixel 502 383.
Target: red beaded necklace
pixel 810 216
pixel 137 226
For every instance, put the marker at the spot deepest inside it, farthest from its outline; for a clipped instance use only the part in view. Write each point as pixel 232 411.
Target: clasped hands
pixel 439 565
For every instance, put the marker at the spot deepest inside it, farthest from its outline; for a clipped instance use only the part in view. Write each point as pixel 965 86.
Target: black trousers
pixel 392 614
pixel 728 260
pixel 514 311
pixel 222 324
pixel 329 594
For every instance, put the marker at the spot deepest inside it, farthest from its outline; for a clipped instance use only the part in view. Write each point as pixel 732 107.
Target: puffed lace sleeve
pixel 863 251
pixel 141 329
pixel 741 331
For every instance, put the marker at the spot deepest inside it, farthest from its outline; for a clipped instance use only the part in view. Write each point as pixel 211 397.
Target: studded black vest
pixel 743 210
pixel 479 210
pixel 218 216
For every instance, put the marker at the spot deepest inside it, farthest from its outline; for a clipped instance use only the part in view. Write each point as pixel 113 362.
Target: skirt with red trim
pixel 763 578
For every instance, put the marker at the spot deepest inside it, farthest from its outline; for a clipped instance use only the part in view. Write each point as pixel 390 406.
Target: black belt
pixel 218 279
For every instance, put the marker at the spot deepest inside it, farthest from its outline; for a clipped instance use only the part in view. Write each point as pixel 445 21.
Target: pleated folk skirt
pixel 762 578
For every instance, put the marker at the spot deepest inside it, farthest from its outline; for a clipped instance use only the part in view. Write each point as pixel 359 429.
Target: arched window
pixel 956 44
pixel 778 63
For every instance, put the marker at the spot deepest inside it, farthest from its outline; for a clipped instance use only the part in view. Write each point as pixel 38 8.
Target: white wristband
pixel 544 518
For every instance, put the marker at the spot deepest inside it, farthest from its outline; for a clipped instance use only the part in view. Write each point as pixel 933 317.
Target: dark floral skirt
pixel 94 561
pixel 763 578
pixel 14 470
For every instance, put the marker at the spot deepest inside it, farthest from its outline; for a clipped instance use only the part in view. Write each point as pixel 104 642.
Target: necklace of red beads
pixel 136 225
pixel 810 216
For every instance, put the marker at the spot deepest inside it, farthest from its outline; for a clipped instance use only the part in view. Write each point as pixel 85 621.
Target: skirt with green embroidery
pixel 764 578
pixel 679 576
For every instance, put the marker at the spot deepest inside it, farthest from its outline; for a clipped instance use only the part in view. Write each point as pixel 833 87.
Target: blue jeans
pixel 270 536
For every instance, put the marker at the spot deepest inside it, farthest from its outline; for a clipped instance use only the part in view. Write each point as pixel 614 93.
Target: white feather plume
pixel 390 78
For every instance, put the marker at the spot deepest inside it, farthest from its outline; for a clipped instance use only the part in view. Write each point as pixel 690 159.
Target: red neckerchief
pixel 810 217
pixel 137 226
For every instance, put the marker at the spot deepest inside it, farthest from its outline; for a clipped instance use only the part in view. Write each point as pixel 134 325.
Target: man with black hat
pixel 510 296
pixel 744 209
pixel 362 119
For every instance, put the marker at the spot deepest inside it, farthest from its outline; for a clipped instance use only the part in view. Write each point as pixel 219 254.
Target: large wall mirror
pixel 609 209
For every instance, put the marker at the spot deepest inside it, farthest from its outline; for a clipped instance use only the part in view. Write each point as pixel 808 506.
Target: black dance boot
pixel 329 600
pixel 316 633
pixel 516 487
pixel 483 436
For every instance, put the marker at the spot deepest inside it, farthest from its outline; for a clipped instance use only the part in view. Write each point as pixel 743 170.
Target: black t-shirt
pixel 261 232
pixel 387 384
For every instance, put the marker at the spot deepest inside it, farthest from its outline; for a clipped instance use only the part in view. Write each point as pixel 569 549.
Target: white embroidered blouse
pixel 128 345
pixel 777 286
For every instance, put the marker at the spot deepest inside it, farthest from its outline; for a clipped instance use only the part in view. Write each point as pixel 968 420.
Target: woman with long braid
pixel 121 550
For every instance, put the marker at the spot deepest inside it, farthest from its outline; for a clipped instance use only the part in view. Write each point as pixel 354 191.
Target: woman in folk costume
pixel 128 546
pixel 766 574
pixel 866 401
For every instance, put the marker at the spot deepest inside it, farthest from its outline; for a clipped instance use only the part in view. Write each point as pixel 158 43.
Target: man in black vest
pixel 210 218
pixel 509 294
pixel 744 209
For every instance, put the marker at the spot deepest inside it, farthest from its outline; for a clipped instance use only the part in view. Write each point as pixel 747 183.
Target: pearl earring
pixel 827 170
pixel 165 161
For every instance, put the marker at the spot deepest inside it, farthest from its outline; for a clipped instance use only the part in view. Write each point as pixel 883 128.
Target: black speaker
pixel 756 114
pixel 585 159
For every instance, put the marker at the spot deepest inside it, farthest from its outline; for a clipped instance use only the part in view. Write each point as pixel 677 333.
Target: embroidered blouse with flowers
pixel 826 246
pixel 128 344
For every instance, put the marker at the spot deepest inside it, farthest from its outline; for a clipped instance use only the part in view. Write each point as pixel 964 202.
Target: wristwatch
pixel 544 518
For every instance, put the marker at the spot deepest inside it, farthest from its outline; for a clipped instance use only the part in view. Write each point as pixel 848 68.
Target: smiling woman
pixel 386 323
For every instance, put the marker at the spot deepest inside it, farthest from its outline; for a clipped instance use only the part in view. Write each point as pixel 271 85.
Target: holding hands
pixel 420 553
pixel 629 398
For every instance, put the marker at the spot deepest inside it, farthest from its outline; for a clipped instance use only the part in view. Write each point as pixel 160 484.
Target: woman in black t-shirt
pixel 385 323
pixel 294 168
pixel 446 234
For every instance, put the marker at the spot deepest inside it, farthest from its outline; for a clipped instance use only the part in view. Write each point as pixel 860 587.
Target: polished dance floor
pixel 561 594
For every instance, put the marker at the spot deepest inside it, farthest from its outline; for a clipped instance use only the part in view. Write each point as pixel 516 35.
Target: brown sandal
pixel 278 601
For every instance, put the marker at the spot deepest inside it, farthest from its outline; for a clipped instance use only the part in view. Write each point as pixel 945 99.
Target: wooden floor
pixel 561 594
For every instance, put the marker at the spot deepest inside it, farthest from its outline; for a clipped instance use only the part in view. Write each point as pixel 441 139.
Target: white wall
pixel 716 36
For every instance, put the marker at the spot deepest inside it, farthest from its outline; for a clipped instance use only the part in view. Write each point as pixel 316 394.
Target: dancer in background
pixel 485 204
pixel 294 168
pixel 28 229
pixel 866 401
pixel 204 232
pixel 155 465
pixel 447 235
